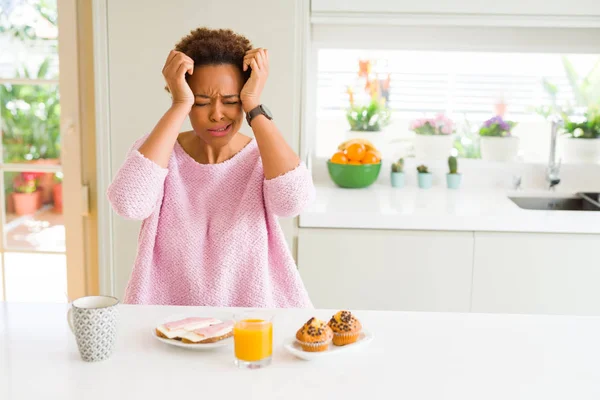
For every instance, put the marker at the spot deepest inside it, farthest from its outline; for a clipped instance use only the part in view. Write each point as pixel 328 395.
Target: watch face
pixel 267 112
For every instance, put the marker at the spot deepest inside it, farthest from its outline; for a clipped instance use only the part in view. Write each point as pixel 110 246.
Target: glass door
pixel 33 251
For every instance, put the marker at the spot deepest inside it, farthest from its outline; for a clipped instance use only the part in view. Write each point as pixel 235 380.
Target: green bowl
pixel 353 176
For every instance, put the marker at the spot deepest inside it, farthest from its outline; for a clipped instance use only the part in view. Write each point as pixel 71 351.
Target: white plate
pixel 194 346
pixel 293 347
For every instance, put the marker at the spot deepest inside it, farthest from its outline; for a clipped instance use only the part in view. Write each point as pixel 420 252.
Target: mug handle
pixel 70 320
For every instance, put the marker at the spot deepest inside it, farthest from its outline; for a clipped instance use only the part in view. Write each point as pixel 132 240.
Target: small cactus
pixel 398 166
pixel 422 169
pixel 453 164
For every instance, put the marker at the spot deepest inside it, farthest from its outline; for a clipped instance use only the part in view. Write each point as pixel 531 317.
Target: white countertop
pixel 413 356
pixel 381 206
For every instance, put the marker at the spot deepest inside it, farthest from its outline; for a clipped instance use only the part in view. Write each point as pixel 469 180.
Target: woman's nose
pixel 216 113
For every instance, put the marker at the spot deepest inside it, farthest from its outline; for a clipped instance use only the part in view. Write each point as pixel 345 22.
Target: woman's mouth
pixel 220 131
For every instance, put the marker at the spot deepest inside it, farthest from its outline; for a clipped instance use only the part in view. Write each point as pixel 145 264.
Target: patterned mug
pixel 93 321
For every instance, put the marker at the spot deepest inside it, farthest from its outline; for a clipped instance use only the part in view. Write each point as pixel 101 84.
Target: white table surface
pixel 381 206
pixel 413 356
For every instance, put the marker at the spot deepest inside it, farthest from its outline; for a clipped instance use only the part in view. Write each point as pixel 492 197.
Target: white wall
pixel 141 35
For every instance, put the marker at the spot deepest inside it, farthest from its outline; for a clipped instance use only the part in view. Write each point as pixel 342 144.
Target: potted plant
pixel 397 175
pixel 371 117
pixel 496 140
pixel 581 140
pixel 453 178
pixel 425 177
pixel 26 196
pixel 57 192
pixel 434 137
pixel 370 112
pixel 31 127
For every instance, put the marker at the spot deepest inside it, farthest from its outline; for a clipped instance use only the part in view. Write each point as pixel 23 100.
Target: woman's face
pixel 217 113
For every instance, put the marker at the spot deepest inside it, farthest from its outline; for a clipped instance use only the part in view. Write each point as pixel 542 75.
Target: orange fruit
pixel 354 163
pixel 356 152
pixel 370 158
pixel 339 158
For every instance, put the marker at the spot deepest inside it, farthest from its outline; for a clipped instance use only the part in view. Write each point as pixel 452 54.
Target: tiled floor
pixel 31 277
pixel 43 231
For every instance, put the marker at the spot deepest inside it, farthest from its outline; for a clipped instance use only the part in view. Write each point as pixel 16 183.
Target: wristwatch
pixel 256 111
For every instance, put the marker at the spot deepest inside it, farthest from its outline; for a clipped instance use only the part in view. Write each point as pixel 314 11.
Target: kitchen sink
pixel 555 203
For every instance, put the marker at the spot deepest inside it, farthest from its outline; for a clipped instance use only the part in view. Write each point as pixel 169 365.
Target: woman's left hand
pixel 258 61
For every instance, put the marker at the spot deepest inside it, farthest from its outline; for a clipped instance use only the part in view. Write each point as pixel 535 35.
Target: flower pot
pixel 26 203
pixel 433 147
pixel 397 179
pixel 579 150
pixel 46 181
pixel 57 196
pixel 425 180
pixel 453 180
pixel 10 203
pixel 499 148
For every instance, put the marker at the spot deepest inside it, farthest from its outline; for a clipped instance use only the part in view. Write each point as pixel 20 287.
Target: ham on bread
pixel 178 329
pixel 210 334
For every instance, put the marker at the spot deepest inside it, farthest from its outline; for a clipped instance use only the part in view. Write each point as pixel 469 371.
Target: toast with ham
pixel 178 329
pixel 196 330
pixel 210 334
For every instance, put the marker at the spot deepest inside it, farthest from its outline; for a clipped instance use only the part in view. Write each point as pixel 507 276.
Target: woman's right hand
pixel 174 71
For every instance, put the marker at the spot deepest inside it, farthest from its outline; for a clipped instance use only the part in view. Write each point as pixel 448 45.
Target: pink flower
pixel 447 129
pixel 440 125
pixel 418 123
pixel 29 176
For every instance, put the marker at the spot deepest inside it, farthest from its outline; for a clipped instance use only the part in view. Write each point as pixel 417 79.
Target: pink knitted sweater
pixel 210 235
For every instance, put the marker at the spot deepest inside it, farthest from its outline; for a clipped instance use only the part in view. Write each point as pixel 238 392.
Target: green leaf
pixel 43 70
pixel 593 80
pixel 371 117
pixel 550 88
pixel 574 79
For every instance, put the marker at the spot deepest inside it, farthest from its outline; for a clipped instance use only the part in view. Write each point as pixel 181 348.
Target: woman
pixel 209 197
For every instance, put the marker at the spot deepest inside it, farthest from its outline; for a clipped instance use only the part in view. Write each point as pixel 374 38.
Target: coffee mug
pixel 93 321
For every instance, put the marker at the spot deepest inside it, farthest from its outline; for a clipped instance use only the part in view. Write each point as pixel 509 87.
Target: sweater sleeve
pixel 288 194
pixel 137 188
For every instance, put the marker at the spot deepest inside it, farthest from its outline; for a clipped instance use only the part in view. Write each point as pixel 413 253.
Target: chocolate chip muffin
pixel 315 335
pixel 346 328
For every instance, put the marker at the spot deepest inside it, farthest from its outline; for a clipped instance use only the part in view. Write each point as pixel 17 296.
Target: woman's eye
pixel 200 105
pixel 231 102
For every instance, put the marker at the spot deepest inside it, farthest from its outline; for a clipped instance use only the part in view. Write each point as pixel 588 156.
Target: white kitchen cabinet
pixel 536 273
pixel 387 269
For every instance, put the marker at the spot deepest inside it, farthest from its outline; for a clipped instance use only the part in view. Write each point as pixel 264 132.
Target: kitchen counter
pixel 382 207
pixel 413 356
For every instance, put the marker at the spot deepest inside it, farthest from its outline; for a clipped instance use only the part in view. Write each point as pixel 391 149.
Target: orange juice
pixel 253 339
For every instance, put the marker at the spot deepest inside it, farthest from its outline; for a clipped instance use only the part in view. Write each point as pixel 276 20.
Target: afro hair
pixel 215 47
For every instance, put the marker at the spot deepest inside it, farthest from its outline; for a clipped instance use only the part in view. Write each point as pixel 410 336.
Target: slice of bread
pixel 209 340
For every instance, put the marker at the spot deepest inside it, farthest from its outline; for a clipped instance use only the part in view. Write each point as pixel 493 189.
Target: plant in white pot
pixel 496 140
pixel 580 144
pixel 434 137
pixel 397 175
pixel 424 177
pixel 581 141
pixel 371 117
pixel 368 111
pixel 453 178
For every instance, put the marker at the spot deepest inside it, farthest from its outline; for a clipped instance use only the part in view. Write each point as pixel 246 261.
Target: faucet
pixel 553 169
pixel 516 182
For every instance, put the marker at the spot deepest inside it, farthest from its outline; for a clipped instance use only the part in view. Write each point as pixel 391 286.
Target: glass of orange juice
pixel 253 339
